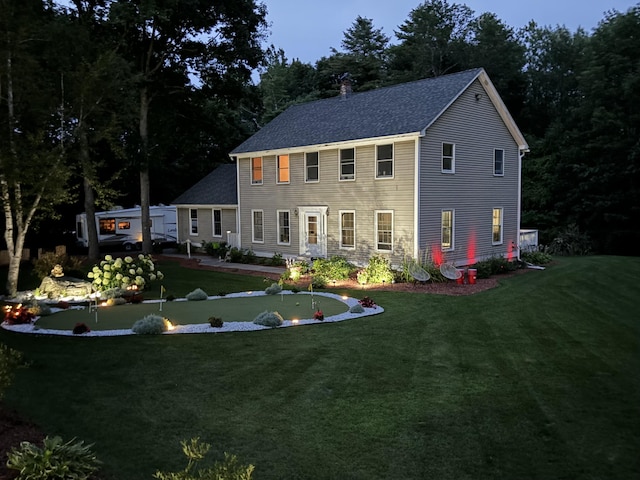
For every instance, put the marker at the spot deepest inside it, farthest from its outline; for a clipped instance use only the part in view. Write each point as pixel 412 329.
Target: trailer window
pixel 124 225
pixel 107 226
pixel 79 231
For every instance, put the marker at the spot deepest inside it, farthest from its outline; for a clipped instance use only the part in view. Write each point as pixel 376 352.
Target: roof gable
pixel 217 188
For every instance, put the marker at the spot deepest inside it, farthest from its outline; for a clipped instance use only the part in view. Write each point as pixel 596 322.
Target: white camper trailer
pixel 123 227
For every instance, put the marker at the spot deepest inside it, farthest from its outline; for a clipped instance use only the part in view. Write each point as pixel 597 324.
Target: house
pixel 427 166
pixel 208 211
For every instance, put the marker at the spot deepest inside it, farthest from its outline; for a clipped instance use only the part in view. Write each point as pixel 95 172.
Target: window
pixel 446 242
pixel 283 227
pixel 217 223
pixel 256 171
pixel 122 225
pixel 257 227
pixel 348 164
pixel 384 161
pixel 498 162
pixel 448 157
pixel 496 236
pixel 384 231
pixel 107 226
pixel 347 230
pixel 193 215
pixel 311 167
pixel 283 169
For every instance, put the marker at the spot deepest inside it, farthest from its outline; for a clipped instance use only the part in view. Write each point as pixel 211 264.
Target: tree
pixel 33 175
pixel 432 41
pixel 168 41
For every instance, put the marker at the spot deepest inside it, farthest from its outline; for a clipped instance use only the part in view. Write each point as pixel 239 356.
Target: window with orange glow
pixel 283 168
pixel 256 170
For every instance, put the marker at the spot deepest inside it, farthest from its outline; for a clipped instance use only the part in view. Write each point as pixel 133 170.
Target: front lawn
pixel 535 379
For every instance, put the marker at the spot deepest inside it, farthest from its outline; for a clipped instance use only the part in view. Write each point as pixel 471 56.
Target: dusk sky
pixel 307 30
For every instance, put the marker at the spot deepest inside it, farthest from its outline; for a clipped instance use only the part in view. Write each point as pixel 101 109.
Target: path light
pixel 294 321
pixel 170 326
pixel 334 284
pixel 344 297
pixel 249 293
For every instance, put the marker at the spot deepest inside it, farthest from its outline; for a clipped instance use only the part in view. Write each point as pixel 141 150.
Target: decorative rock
pixel 60 287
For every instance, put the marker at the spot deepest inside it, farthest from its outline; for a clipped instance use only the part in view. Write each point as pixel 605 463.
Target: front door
pixel 313 235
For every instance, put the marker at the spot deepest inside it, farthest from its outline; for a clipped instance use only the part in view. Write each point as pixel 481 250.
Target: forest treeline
pixel 126 102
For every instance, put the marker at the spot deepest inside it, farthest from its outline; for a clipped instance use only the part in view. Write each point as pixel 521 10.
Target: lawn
pixel 535 379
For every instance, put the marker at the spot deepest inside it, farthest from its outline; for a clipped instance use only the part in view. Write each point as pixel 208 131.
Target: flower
pixel 318 315
pixel 114 273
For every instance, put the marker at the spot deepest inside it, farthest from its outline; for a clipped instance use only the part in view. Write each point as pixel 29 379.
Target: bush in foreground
pixel 197 294
pixel 150 325
pixel 195 451
pixel 269 319
pixel 55 460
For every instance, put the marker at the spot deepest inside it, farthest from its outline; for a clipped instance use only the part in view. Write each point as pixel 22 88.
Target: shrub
pixel 235 255
pixel 123 272
pixel 268 319
pixel 17 314
pixel 357 308
pixel 378 270
pixel 273 289
pixel 170 298
pixel 150 325
pixel 80 328
pixel 42 266
pixel 536 257
pixel 494 266
pixel 334 268
pixel 249 257
pixel 318 315
pixel 571 241
pixel 56 460
pixel 277 260
pixel 216 249
pixel 197 294
pixel 39 309
pixel 10 359
pixel 112 302
pixel 367 302
pixel 318 282
pixel 216 322
pixel 195 451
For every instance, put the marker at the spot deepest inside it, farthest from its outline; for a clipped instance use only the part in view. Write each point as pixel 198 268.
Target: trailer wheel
pixel 128 247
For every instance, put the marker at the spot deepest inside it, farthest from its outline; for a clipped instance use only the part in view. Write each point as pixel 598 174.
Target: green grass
pixel 536 379
pixel 236 309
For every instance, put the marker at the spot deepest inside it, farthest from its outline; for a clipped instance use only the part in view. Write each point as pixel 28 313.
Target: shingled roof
pixel 396 110
pixel 217 188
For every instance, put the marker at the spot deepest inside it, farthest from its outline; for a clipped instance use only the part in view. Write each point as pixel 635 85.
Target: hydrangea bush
pixel 124 272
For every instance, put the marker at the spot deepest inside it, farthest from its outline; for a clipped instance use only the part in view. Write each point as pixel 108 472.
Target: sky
pixel 307 29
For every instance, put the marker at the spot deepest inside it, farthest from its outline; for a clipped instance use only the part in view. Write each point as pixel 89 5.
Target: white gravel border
pixel 205 327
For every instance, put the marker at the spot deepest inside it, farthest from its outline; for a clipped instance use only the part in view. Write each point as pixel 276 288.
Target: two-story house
pixel 427 166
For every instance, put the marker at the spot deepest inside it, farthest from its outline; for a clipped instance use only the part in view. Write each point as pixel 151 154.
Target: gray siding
pixel 365 195
pixel 205 224
pixel 476 129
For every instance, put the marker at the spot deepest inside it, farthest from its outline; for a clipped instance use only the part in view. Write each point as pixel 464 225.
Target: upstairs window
pixel 498 161
pixel 283 169
pixel 311 167
pixel 446 241
pixel 256 171
pixel 384 161
pixel 348 164
pixel 448 158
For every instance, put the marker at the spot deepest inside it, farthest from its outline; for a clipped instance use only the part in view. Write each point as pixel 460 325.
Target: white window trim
pixel 340 179
pixel 191 233
pixel 278 226
pixel 306 167
pixel 261 170
pixel 376 231
pixel 501 241
pixel 253 225
pixel 495 174
pixel 453 158
pixel 393 162
pixel 347 247
pixel 213 222
pixel 453 230
pixel 278 182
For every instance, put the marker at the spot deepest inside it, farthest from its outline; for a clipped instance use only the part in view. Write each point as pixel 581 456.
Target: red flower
pixel 318 315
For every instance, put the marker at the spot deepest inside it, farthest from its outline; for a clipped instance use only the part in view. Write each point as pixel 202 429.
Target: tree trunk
pixel 89 197
pixel 145 217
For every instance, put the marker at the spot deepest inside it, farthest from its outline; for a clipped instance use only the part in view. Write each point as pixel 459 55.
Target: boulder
pixel 59 287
